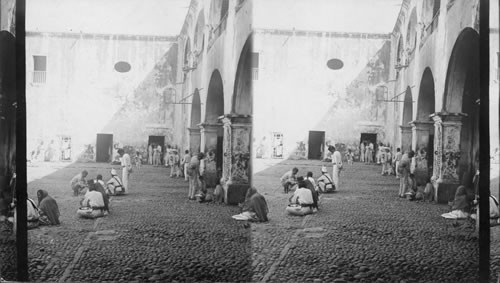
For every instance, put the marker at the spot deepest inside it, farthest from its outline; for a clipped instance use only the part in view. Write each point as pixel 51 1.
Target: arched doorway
pixel 461 100
pixel 406 132
pixel 195 120
pixel 212 132
pixel 423 127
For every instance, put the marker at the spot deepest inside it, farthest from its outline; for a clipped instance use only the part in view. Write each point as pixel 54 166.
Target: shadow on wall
pixel 361 102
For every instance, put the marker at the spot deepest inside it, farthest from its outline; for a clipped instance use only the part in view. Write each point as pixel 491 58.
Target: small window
pixel 255 66
pixel 39 69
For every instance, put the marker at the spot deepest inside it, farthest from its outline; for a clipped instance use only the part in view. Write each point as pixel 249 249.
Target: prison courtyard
pixel 362 233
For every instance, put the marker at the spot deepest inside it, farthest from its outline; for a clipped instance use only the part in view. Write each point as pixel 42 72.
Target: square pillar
pixel 236 172
pixel 406 140
pixel 194 140
pixel 421 130
pixel 209 136
pixel 447 131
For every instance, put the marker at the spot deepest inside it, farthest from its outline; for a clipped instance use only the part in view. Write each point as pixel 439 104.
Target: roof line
pixel 94 35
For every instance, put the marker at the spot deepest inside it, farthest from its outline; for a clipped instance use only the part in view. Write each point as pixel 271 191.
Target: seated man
pixel 324 182
pixel 92 206
pixel 79 183
pixel 254 208
pixel 100 188
pixel 461 205
pixel 309 181
pixel 114 186
pixel 49 210
pixel 301 203
pixel 289 179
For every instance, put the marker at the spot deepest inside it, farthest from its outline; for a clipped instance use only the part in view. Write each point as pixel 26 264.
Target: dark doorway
pixel 219 152
pixel 316 144
pixel 430 155
pixel 369 138
pixel 157 140
pixel 104 147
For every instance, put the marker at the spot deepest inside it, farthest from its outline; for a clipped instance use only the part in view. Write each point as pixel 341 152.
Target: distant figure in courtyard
pixel 301 202
pixel 337 166
pixel 194 175
pixel 349 157
pixel 185 164
pixel 48 209
pixel 92 206
pixel 114 186
pixel 289 179
pixel 429 191
pixel 362 152
pixel 155 155
pixel 138 160
pixel 150 154
pixel 159 155
pixel 325 182
pixel 254 208
pixel 126 169
pixel 79 183
pixel 396 161
pixel 174 163
pixel 404 172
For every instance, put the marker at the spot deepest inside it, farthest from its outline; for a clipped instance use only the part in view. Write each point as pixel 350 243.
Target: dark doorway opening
pixel 104 147
pixel 157 140
pixel 219 152
pixel 316 144
pixel 369 138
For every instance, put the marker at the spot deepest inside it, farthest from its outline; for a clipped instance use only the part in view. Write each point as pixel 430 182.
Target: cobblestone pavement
pixel 363 233
pixel 152 234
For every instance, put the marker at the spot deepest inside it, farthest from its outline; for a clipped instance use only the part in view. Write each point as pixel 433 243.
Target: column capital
pixel 421 123
pixel 209 127
pixel 405 128
pixel 194 130
pixel 237 119
pixel 447 117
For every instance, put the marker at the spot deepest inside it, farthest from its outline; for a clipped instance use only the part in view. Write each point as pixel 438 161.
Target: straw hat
pixel 323 169
pixel 113 172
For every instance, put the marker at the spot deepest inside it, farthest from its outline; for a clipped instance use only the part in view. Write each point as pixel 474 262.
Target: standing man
pixel 337 166
pixel 150 154
pixel 404 171
pixel 397 160
pixel 126 168
pixel 185 164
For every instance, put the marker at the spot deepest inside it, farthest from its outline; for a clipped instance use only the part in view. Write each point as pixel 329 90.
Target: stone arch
pixel 218 10
pixel 411 31
pixel 426 96
pixel 195 109
pixel 423 128
pixel 242 95
pixel 462 96
pixel 407 108
pixel 199 38
pixel 406 131
pixel 215 98
pixel 187 50
pixel 212 131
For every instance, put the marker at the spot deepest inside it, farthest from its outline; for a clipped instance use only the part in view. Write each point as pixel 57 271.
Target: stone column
pixel 209 136
pixel 194 140
pixel 421 131
pixel 447 130
pixel 237 157
pixel 406 140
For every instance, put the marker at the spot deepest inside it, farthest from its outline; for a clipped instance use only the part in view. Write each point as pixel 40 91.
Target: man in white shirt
pixel 92 206
pixel 301 203
pixel 337 167
pixel 289 179
pixel 126 169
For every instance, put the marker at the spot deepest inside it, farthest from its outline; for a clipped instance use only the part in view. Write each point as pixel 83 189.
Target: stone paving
pixel 363 233
pixel 152 234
